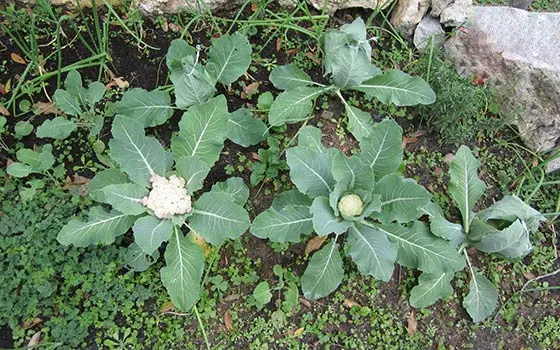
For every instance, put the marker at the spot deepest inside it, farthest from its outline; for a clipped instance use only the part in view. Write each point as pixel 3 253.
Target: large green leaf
pixel 294 105
pixel 193 83
pixel 234 186
pixel 399 88
pixel 513 241
pixel 372 251
pixel 292 197
pixel 150 232
pixel 419 249
pixel 464 185
pixel 178 49
pixel 17 169
pixel 101 228
pixel 193 170
pixel 352 169
pixel 482 297
pixel 140 156
pixel 73 84
pixel 103 179
pixel 126 198
pixel 95 92
pixel 289 77
pixel 137 259
pixel 149 108
pixel 203 131
pixel 310 171
pixel 382 149
pixel 183 271
pixel 311 137
pixel 400 199
pixel 67 103
pixel 323 273
pixel 447 230
pixel 284 224
pixel 245 130
pixel 58 128
pixel 216 217
pixel 229 57
pixel 324 219
pixel 360 123
pixel 430 288
pixel 511 208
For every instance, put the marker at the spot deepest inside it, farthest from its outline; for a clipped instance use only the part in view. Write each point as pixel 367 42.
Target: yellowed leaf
pixel 411 323
pixel 227 321
pixel 30 324
pixel 17 58
pixel 4 111
pixel 46 108
pixel 168 306
pixel 199 240
pixel 251 88
pixel 298 332
pixel 349 303
pixel 314 244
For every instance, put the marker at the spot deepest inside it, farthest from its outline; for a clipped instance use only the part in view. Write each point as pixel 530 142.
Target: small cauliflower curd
pixel 351 205
pixel 168 197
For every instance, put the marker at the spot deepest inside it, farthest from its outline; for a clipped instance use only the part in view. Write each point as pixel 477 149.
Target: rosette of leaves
pixel 78 104
pixel 347 60
pixel 363 196
pixel 216 215
pixel 503 229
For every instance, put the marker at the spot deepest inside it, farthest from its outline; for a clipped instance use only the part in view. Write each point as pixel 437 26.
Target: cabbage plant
pixel 347 61
pixel 364 196
pixel 503 229
pixel 158 193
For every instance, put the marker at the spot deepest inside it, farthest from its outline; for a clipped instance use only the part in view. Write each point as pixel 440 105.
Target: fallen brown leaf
pixel 231 297
pixel 407 140
pixel 298 332
pixel 278 43
pixel 448 158
pixel 349 303
pixel 35 340
pixel 528 275
pixel 412 324
pixel 305 302
pixel 251 88
pixel 118 82
pixel 313 57
pixel 2 89
pixel 4 111
pixel 46 108
pixel 17 58
pixel 315 243
pixel 254 7
pixel 175 28
pixel 30 324
pixel 291 52
pixel 227 321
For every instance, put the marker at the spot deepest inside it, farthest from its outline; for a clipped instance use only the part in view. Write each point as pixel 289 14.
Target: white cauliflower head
pixel 168 197
pixel 351 205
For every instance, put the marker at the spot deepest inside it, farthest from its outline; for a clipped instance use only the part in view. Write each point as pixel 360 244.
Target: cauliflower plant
pixel 168 197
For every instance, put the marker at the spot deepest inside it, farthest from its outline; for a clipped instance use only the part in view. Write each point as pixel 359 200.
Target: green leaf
pixel 126 198
pixel 310 171
pixel 215 217
pixel 193 170
pixel 229 57
pixel 183 271
pixel 103 179
pixel 283 224
pixel 149 108
pixel 512 242
pixel 101 228
pixel 235 187
pixel 324 272
pixel 193 84
pixel 140 156
pixel 353 170
pixel 430 288
pixel 360 123
pixel 95 92
pixel 74 86
pixel 447 230
pixel 137 259
pixel 46 158
pixel 482 297
pixel 419 249
pixel 203 131
pixel 17 169
pixel 511 208
pixel 324 219
pixel 382 149
pixel 67 103
pixel 372 251
pixel 178 49
pixel 399 88
pixel 311 137
pixel 150 232
pixel 3 121
pixel 400 199
pixel 464 185
pixel 58 128
pixel 245 130
pixel 294 105
pixel 292 197
pixel 262 294
pixel 23 128
pixel 289 77
pixel 28 156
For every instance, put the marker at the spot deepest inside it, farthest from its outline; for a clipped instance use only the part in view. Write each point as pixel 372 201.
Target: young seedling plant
pixel 502 228
pixel 363 196
pixel 347 60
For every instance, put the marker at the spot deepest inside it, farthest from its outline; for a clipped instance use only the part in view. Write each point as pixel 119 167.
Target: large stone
pixel 438 6
pixel 519 52
pixel 428 28
pixel 157 7
pixel 456 13
pixel 72 4
pixel 407 15
pixel 334 5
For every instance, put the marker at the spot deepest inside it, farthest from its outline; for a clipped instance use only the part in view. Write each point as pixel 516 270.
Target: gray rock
pixel 158 7
pixel 72 4
pixel 438 6
pixel 456 13
pixel 427 28
pixel 519 52
pixel 407 14
pixel 553 166
pixel 334 5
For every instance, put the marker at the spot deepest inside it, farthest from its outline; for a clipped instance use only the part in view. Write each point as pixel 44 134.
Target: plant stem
pixel 201 325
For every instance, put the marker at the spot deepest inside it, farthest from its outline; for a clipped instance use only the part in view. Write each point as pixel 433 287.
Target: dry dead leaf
pixel 30 324
pixel 17 58
pixel 165 26
pixel 448 158
pixel 2 89
pixel 4 111
pixel 175 28
pixel 199 240
pixel 251 88
pixel 315 243
pixel 313 57
pixel 291 52
pixel 407 140
pixel 8 86
pixel 418 133
pixel 46 108
pixel 255 156
pixel 118 82
pixel 528 275
pixel 35 340
pixel 227 321
pixel 349 303
pixel 298 332
pixel 412 324
pixel 305 302
pixel 278 44
pixel 254 7
pixel 231 297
